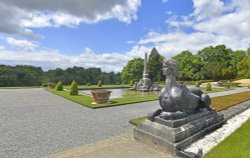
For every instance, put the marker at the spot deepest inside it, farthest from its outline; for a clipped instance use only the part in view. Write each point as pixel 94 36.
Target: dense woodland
pixel 211 63
pixel 32 76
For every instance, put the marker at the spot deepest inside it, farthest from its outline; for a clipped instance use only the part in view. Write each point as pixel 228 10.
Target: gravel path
pixel 36 123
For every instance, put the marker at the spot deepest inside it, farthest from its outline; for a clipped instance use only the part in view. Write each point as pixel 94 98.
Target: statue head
pixel 170 67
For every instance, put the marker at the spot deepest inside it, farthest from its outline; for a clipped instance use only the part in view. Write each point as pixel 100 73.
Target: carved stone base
pixel 173 135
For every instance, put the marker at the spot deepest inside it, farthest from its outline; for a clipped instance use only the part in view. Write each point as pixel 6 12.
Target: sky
pixel 109 33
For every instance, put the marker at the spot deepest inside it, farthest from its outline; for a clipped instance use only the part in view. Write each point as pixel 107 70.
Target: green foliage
pixel 24 75
pixel 88 84
pixel 59 86
pixel 99 84
pixel 243 67
pixel 189 66
pixel 132 71
pixel 197 84
pixel 73 88
pixel 131 83
pixel 82 76
pixel 208 87
pixel 217 62
pixel 155 65
pixel 21 75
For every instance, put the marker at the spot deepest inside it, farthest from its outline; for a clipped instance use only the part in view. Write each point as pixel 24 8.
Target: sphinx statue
pixel 184 117
pixel 176 100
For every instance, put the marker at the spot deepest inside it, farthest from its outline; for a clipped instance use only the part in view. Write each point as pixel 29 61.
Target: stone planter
pixel 51 85
pixel 100 96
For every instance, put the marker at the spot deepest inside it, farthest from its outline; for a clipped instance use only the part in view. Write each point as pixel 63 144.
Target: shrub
pixel 208 87
pixel 131 83
pixel 73 88
pixel 118 83
pixel 197 84
pixel 99 84
pixel 88 84
pixel 59 86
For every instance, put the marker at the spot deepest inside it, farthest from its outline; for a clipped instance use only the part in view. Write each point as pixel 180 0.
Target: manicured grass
pixel 234 146
pixel 137 121
pixel 217 90
pixel 20 87
pixel 218 103
pixel 85 87
pixel 87 100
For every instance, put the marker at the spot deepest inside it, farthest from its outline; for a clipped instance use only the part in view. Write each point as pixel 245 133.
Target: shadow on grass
pixel 112 102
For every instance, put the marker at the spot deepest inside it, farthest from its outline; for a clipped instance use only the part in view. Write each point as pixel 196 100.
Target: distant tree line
pixel 210 63
pixel 24 75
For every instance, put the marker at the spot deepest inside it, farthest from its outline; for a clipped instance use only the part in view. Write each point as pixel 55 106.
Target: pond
pixel 123 93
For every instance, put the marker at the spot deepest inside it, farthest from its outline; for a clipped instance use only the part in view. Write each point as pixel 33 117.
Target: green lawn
pixel 137 121
pixel 20 87
pixel 237 145
pixel 85 87
pixel 218 103
pixel 217 90
pixel 87 100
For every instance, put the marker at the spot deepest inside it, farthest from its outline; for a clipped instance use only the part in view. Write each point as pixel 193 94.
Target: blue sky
pixel 108 33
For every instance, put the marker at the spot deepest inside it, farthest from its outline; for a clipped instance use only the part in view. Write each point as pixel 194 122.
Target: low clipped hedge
pixel 227 84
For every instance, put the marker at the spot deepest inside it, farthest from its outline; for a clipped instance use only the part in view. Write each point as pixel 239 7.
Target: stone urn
pixel 101 96
pixel 51 85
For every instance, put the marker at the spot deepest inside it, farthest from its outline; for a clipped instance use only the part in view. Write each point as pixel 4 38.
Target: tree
pixel 155 65
pixel 184 60
pixel 215 60
pixel 218 53
pixel 132 71
pixel 212 70
pixel 236 57
pixel 244 67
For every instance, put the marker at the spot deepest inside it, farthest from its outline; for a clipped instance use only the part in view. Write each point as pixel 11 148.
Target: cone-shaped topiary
pixel 197 84
pixel 73 88
pixel 131 83
pixel 59 86
pixel 99 84
pixel 208 87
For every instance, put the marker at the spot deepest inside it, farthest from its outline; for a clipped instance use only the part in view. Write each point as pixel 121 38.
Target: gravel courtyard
pixel 36 123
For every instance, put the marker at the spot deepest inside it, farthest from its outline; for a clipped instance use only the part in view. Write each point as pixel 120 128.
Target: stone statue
pixel 184 117
pixel 176 100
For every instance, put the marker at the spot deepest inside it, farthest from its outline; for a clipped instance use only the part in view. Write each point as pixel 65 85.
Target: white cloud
pixel 26 45
pixel 207 9
pixel 213 23
pixel 1 47
pixel 16 16
pixel 51 59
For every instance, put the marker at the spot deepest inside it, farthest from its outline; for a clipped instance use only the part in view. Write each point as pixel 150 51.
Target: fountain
pixel 145 84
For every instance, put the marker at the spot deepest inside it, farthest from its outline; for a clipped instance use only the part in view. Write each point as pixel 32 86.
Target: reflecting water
pixel 123 93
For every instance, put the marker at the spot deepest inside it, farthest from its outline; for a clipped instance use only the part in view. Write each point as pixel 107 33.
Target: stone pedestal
pixel 172 136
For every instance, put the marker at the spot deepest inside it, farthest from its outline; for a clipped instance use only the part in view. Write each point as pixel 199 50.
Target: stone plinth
pixel 171 136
